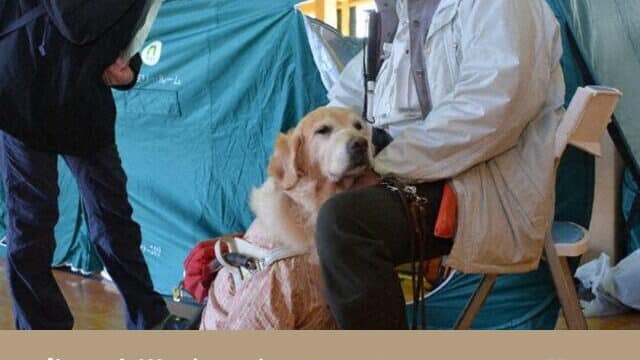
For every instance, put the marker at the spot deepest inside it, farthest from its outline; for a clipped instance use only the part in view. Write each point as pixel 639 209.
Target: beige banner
pixel 449 345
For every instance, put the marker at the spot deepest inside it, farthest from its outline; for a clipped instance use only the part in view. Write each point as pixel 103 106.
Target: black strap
pixel 23 20
pixel 631 220
pixel 371 59
pixel 634 214
pixel 373 49
pixel 365 102
pixel 380 139
pixel 415 206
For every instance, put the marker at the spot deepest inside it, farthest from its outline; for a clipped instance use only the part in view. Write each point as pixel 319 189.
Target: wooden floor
pixel 96 305
pixel 630 321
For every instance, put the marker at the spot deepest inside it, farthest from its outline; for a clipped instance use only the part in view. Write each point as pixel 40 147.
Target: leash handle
pixel 371 61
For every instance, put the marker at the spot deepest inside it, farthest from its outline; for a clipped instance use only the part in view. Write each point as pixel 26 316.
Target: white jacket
pixel 497 90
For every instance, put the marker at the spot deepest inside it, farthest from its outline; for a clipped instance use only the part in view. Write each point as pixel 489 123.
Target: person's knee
pixel 31 219
pixel 333 227
pixel 111 224
pixel 35 254
pixel 110 216
pixel 107 207
pixel 30 230
pixel 114 233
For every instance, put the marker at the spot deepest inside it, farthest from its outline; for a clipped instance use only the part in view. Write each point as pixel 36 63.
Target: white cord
pixel 443 284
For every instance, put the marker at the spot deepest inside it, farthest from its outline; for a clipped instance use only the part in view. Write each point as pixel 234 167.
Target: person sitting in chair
pixel 469 93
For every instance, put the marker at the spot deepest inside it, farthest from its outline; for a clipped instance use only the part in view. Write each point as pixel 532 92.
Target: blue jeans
pixel 31 183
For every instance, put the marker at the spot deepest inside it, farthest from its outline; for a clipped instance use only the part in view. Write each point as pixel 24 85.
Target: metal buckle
pixel 410 191
pixel 177 293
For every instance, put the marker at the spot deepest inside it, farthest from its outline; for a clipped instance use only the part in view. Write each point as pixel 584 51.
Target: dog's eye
pixel 358 126
pixel 324 130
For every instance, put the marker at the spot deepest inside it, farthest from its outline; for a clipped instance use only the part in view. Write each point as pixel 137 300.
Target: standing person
pixel 58 62
pixel 471 93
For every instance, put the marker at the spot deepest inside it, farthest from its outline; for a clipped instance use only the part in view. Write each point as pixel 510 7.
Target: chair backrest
pixel 586 119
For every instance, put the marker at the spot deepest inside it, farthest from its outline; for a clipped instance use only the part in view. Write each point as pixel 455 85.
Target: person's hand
pixel 368 178
pixel 118 74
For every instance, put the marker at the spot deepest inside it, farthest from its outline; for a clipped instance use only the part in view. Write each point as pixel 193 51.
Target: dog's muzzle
pixel 358 151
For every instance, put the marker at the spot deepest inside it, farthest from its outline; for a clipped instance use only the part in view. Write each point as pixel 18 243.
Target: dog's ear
pixel 286 165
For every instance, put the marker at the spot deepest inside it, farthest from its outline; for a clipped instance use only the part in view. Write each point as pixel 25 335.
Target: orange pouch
pixel 447 214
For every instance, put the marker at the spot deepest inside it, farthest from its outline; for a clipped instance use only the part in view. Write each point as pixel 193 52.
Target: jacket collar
pixel 446 12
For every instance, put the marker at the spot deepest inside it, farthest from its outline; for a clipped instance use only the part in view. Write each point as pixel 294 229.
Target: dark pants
pixel 31 183
pixel 362 236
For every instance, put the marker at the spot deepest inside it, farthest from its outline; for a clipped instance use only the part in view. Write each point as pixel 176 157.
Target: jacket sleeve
pixel 495 96
pixel 348 91
pixel 82 21
pixel 135 63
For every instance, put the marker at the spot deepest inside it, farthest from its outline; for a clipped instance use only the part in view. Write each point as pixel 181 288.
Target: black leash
pixel 415 207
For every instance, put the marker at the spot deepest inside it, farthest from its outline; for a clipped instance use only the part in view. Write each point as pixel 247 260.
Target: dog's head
pixel 329 144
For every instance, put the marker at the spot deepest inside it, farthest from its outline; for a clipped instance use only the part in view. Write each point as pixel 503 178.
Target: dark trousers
pixel 362 236
pixel 31 183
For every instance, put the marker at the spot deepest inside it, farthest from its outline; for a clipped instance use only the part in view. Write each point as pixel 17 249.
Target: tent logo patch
pixel 151 53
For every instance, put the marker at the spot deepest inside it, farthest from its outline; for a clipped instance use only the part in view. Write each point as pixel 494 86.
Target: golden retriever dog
pixel 322 156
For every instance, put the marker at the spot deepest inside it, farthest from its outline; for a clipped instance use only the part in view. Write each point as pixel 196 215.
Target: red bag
pixel 198 270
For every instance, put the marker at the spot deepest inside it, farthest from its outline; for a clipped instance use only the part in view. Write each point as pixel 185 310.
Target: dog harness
pixel 245 259
pixel 242 258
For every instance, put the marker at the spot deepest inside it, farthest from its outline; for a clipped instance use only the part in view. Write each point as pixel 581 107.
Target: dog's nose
pixel 357 146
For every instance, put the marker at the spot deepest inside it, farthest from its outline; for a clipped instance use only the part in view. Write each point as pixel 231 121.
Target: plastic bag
pixel 616 290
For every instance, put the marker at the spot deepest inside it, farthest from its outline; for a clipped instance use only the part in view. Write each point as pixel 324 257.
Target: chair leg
pixel 565 288
pixel 475 302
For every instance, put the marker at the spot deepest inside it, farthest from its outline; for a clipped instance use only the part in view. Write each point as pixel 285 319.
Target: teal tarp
pixel 196 132
pixel 517 302
pixel 607 33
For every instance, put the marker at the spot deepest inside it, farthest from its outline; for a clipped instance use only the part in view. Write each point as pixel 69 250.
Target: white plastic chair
pixel 583 126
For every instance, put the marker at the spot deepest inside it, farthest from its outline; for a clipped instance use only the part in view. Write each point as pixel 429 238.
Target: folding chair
pixel 583 126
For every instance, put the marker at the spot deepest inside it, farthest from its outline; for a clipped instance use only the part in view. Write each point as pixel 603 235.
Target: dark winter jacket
pixel 52 96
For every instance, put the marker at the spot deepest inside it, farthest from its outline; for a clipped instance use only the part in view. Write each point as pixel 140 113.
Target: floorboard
pixel 96 305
